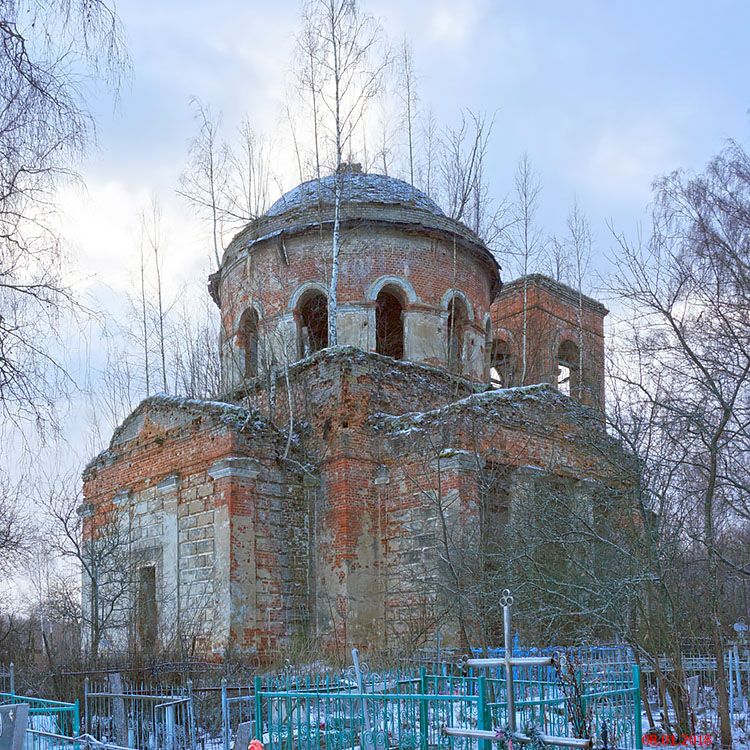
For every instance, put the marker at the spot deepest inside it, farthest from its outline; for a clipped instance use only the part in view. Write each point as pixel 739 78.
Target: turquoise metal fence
pixel 409 712
pixel 55 717
pixel 339 721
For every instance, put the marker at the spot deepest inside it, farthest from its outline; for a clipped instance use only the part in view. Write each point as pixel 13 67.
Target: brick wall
pixel 424 265
pixel 552 311
pixel 344 543
pixel 207 504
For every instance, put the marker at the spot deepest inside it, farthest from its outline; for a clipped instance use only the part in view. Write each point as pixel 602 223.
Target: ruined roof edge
pixel 565 291
pixel 461 234
pixel 347 354
pixel 542 392
pixel 226 413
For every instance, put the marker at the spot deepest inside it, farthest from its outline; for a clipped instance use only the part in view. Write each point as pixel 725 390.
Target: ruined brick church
pixel 311 501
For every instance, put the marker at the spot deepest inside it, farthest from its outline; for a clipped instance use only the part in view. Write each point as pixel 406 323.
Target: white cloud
pixel 455 23
pixel 102 223
pixel 623 159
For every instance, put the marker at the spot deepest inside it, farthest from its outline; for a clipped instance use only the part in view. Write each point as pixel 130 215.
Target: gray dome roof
pixel 372 199
pixel 357 187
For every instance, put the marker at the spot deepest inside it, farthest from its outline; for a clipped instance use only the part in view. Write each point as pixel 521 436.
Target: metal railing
pixel 45 715
pixel 7 678
pixel 141 721
pixel 436 710
pixel 37 740
pixel 309 720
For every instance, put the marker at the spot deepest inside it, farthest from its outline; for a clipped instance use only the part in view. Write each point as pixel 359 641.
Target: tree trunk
pixel 524 340
pixel 644 693
pixel 676 688
pixel 333 295
pixel 722 693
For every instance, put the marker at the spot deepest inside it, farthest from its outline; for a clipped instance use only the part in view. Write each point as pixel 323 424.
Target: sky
pixel 602 96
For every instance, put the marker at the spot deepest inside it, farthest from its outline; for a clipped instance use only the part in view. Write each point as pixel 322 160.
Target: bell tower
pixel 564 339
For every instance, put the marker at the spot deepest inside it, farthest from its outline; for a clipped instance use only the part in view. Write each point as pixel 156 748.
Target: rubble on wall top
pixel 542 395
pixel 345 354
pixel 226 412
pixel 231 415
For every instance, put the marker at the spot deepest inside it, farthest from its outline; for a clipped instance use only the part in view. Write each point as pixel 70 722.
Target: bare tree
pixel 386 147
pixel 523 240
pixel 579 240
pixel 151 230
pixel 687 292
pixel 203 183
pixel 144 309
pixel 460 180
pixel 557 260
pixel 194 350
pixel 102 552
pixel 112 391
pixel 227 183
pixel 343 44
pixel 596 561
pixel 430 146
pixel 44 127
pixel 249 176
pixel 15 539
pixel 309 76
pixel 409 97
pixel 463 152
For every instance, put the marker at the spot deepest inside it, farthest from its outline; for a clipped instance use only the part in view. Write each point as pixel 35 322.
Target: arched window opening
pixel 458 318
pixel 389 325
pixel 247 340
pixel 567 369
pixel 500 370
pixel 312 316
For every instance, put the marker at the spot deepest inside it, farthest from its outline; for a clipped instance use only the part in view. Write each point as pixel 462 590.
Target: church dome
pixel 357 187
pixel 374 199
pixel 413 283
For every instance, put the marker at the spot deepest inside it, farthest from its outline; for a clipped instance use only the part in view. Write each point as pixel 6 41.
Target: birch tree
pixel 524 240
pixel 151 224
pixel 309 75
pixel 409 98
pixel 579 240
pixel 345 46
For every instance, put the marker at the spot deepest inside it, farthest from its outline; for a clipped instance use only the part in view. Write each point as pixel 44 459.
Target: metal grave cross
pixel 509 661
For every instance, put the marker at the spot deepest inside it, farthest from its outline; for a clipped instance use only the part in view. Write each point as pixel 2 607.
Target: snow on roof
pixel 357 187
pixel 225 412
pixel 231 415
pixel 481 404
pixel 372 199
